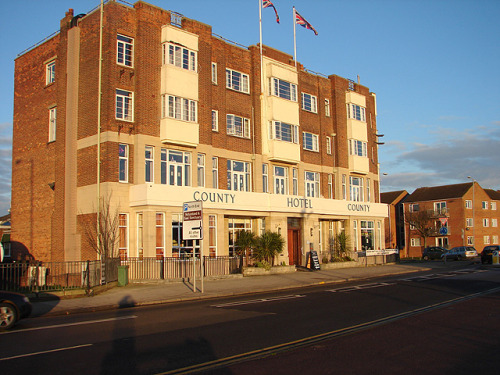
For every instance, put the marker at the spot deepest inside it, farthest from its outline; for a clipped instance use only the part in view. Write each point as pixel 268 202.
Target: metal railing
pixel 54 276
pixel 173 268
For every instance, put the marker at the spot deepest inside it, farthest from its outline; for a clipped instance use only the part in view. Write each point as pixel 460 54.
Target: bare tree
pixel 423 222
pixel 103 239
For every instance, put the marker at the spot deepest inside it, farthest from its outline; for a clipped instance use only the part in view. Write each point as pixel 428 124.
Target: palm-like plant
pixel 244 243
pixel 268 246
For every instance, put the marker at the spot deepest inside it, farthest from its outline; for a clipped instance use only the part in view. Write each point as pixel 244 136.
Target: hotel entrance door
pixel 294 253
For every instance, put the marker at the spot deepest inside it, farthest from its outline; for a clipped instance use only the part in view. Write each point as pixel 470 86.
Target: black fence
pixel 53 276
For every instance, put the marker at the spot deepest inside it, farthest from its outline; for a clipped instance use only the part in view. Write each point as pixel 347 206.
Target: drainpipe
pixel 99 98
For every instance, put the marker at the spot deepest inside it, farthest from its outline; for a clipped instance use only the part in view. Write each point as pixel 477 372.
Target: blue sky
pixel 434 65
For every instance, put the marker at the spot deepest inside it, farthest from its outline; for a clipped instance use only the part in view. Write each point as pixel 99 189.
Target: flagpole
pixel 294 39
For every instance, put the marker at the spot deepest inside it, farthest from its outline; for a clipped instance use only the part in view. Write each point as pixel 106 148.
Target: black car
pixel 13 306
pixel 433 252
pixel 487 253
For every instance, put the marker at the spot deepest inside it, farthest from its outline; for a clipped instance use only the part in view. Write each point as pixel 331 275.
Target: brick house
pixel 181 118
pixel 462 214
pixel 394 223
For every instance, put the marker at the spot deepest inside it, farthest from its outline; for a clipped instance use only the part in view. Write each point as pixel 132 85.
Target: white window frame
pixel 124 50
pixel 50 72
pixel 328 145
pixel 214 73
pixel 265 178
pixel 124 105
pixel 486 240
pixel 356 189
pixel 123 154
pixel 493 205
pixel 358 148
pixel 468 203
pixel 469 222
pixel 160 234
pixel 494 222
pixel 284 132
pixel 201 170
pixel 163 166
pixel 486 222
pixel 368 190
pixel 237 126
pixel 283 89
pixel 327 107
pixel 237 81
pixel 215 120
pixel 484 205
pixel 236 225
pixel 330 186
pixel 180 57
pixel 52 124
pixel 310 141
pixel 179 108
pixel 356 112
pixel 140 235
pixel 309 103
pixel 470 240
pixel 212 235
pixel 415 242
pixel 494 239
pixel 280 180
pixel 355 234
pixel 311 184
pixel 184 166
pixel 344 187
pixel 243 177
pixel 215 172
pixel 295 181
pixel 123 247
pixel 149 169
pixel 440 207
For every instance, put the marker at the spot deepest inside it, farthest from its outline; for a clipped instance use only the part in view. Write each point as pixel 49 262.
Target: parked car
pixel 487 253
pixel 13 306
pixel 433 252
pixel 460 252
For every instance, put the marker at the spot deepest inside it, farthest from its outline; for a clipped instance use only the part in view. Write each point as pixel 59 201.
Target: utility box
pixel 122 275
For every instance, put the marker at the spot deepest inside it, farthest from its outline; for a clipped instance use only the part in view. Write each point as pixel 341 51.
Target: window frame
pixel 280 182
pixel 179 108
pixel 356 191
pixel 356 112
pixel 123 235
pixel 175 55
pixel 311 186
pixel 127 52
pixel 185 166
pixel 327 108
pixel 310 142
pixel 328 145
pixel 468 204
pixel 309 102
pixel 214 73
pixel 52 124
pixel 127 105
pixel 149 152
pixel 50 72
pixel 215 120
pixel 246 174
pixel 358 148
pixel 125 160
pixel 232 126
pixel 265 178
pixel 215 172
pixel 283 89
pixel 237 81
pixel 200 164
pixel 280 130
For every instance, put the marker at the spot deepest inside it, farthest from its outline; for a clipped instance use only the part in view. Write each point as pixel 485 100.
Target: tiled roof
pixel 390 196
pixel 439 192
pixel 493 194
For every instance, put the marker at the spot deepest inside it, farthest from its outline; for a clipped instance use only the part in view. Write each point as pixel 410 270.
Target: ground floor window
pixel 367 235
pixel 212 235
pixel 180 247
pixel 442 242
pixel 123 236
pixel 355 235
pixel 140 235
pixel 415 242
pixel 470 240
pixel 160 235
pixel 236 225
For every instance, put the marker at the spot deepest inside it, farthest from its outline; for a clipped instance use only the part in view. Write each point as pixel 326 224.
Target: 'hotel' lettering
pixel 299 202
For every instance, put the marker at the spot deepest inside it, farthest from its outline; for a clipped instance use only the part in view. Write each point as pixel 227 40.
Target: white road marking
pixel 44 352
pixel 359 287
pixel 238 303
pixel 71 324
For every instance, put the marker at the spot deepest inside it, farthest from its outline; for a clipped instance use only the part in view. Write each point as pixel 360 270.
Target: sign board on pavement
pixel 192 226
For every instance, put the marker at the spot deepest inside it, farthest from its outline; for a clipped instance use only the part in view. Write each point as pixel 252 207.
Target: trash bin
pixel 122 275
pixel 495 258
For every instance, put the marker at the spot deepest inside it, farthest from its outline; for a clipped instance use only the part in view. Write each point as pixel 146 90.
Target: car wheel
pixel 8 316
pixel 426 257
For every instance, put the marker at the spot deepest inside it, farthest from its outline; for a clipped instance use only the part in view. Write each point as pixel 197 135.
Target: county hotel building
pixel 185 115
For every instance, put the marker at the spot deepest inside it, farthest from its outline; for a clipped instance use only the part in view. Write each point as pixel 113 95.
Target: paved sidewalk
pixel 141 294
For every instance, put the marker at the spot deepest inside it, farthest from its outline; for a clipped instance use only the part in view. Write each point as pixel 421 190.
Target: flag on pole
pixel 302 22
pixel 266 4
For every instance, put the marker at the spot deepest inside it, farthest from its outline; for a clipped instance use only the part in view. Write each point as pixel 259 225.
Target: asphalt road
pixel 446 323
